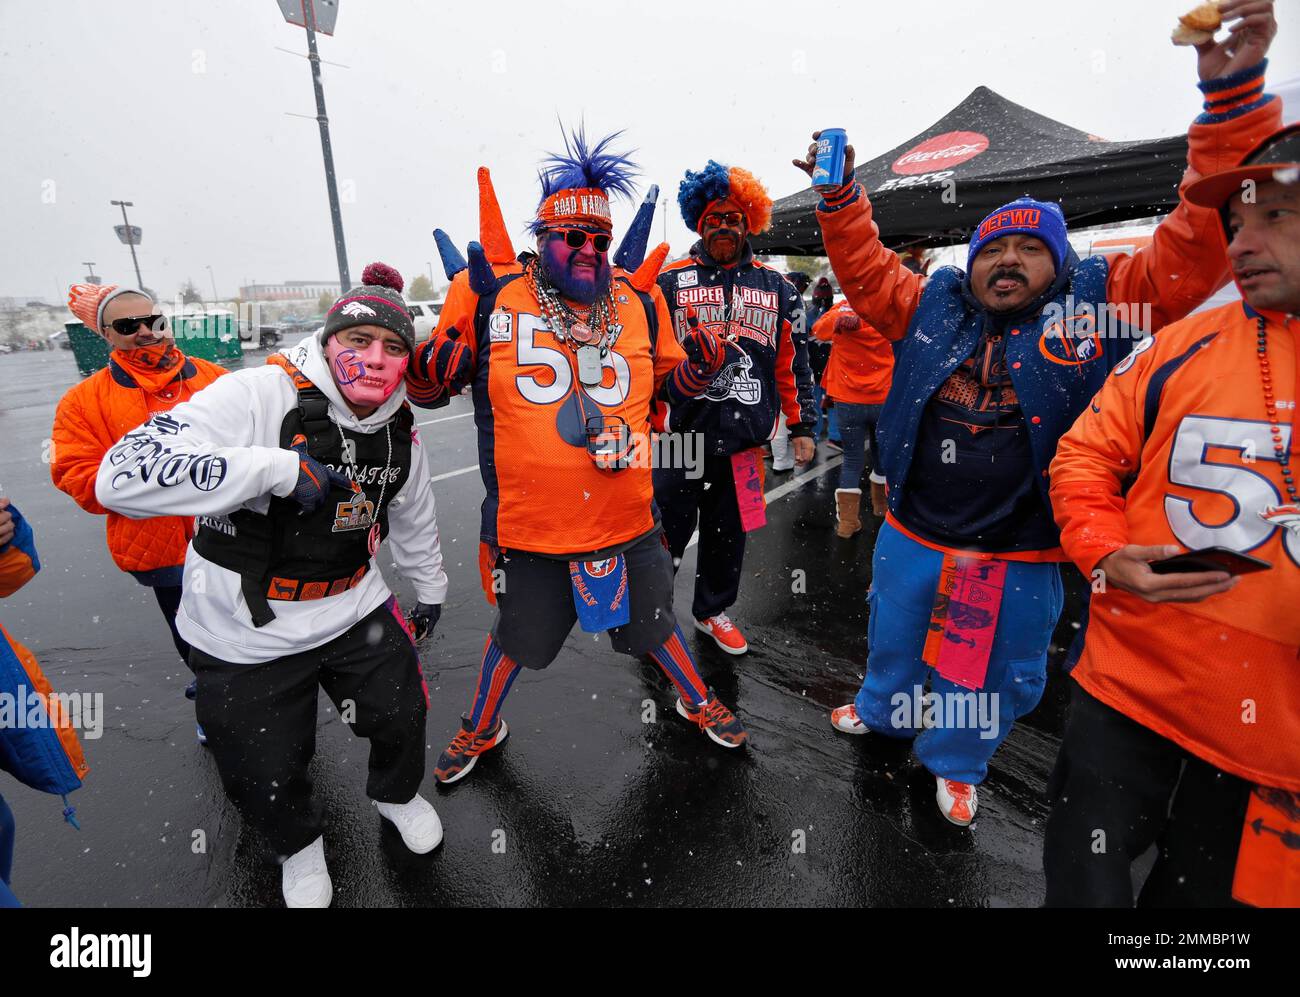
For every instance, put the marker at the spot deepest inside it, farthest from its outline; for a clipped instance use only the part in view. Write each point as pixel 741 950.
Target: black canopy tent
pixel 936 187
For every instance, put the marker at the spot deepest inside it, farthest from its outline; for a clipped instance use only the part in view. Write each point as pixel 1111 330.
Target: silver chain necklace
pixel 590 343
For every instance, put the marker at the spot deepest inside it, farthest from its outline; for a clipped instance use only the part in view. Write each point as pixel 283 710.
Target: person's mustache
pixel 598 263
pixel 998 275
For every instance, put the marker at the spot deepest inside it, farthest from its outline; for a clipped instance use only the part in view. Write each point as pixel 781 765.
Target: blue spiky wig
pixel 717 182
pixel 577 183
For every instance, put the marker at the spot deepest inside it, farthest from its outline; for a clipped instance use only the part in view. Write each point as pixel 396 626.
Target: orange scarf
pixel 151 367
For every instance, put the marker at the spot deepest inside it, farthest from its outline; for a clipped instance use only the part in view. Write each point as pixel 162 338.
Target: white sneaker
pixel 845 719
pixel 417 822
pixel 304 879
pixel 958 801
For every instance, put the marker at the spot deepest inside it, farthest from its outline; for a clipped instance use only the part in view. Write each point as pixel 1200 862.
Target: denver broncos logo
pixel 355 308
pixel 601 568
pixel 1287 516
pixel 1072 341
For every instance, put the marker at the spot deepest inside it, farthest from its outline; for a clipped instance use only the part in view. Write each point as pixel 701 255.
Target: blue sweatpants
pixel 968 726
pixel 7 898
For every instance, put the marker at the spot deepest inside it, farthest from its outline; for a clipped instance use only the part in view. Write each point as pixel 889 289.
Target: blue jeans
pixel 905 575
pixel 858 437
pixel 7 899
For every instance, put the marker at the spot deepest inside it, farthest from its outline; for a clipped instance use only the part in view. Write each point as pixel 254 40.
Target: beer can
pixel 828 172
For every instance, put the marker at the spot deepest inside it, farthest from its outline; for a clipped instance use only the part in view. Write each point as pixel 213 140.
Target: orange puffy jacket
pixel 93 416
pixel 861 365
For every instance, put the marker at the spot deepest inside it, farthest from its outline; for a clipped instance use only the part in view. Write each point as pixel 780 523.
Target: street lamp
pixel 129 239
pixel 214 283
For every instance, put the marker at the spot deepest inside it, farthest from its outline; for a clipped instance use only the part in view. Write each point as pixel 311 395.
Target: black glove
pixel 315 480
pixel 423 618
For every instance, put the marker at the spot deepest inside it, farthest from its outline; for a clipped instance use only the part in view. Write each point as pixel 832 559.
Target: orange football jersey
pixel 1182 422
pixel 544 492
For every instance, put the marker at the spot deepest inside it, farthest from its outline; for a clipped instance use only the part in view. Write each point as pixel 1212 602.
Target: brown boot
pixel 848 503
pixel 879 504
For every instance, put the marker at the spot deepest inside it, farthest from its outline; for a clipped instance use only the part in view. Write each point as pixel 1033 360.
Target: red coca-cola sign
pixel 942 152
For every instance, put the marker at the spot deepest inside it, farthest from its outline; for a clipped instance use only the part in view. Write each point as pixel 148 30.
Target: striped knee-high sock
pixel 494 681
pixel 676 662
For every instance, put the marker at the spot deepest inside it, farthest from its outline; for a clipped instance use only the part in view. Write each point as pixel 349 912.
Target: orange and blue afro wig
pixel 717 182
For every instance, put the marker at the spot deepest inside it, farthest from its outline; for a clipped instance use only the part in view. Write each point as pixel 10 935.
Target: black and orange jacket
pixel 767 376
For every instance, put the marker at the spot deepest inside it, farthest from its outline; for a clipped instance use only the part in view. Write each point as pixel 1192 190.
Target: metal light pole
pixel 90 272
pixel 214 283
pixel 130 241
pixel 336 216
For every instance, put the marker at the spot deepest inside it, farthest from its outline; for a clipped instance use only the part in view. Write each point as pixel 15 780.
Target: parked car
pixel 425 315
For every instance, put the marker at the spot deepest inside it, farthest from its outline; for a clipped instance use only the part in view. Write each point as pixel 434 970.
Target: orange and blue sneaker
pixel 724 633
pixel 459 757
pixel 715 720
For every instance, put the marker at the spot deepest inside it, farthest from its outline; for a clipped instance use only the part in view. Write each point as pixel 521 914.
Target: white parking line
pixel 445 418
pixel 453 474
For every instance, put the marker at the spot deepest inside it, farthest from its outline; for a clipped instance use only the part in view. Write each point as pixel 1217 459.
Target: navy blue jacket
pixel 767 371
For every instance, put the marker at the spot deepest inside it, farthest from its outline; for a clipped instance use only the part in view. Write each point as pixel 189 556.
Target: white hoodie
pixel 220 452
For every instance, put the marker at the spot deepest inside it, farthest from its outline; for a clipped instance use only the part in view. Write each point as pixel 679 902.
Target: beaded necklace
pixel 1286 515
pixel 569 327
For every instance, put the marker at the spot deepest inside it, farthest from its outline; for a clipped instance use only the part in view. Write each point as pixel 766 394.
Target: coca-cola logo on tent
pixel 941 152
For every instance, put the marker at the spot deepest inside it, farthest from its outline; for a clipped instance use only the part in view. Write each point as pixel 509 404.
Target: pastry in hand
pixel 1198 26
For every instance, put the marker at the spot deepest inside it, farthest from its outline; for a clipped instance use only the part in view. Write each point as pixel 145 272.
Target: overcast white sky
pixel 180 106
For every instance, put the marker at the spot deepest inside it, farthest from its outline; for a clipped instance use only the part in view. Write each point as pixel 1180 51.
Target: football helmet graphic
pixel 735 381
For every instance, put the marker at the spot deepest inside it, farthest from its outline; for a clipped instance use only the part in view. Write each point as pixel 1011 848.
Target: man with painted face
pixel 297 472
pixel 146 373
pixel 564 353
pixel 764 390
pixel 991 367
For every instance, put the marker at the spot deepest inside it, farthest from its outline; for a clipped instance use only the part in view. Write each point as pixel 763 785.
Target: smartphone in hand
pixel 1210 559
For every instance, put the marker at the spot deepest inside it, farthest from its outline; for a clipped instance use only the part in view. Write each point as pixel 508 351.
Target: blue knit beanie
pixel 1024 216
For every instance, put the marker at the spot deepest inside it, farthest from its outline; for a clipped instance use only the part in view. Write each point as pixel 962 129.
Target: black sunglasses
pixel 130 326
pixel 576 238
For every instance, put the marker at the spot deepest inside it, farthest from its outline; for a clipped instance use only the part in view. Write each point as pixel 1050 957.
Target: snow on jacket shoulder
pixel 90 418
